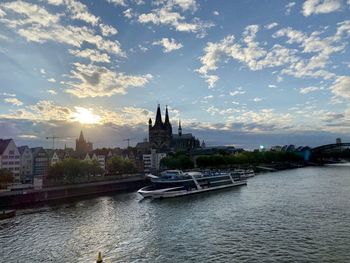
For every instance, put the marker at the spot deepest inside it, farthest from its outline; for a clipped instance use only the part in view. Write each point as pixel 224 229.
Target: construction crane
pixel 128 140
pixel 53 140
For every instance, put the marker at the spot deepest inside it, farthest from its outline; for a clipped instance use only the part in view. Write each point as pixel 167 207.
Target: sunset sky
pixel 243 73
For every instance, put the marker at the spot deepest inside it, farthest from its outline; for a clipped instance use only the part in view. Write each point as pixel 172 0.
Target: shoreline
pixel 13 199
pixel 25 198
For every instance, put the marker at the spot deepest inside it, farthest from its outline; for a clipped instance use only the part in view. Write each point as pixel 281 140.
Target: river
pixel 300 215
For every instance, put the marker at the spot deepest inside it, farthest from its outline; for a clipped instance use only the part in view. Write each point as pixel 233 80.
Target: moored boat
pixel 7 214
pixel 244 174
pixel 173 183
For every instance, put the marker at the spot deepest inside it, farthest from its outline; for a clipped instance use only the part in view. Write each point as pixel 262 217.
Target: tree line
pixel 183 161
pixel 70 171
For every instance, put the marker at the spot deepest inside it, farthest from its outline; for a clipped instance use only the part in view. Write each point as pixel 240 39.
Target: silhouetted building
pixel 81 145
pixel 162 139
pixel 160 134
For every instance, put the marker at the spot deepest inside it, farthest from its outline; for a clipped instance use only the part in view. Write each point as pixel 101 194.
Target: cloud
pixel 289 7
pixel 8 94
pixel 13 101
pixel 107 30
pixel 36 24
pixel 308 90
pixel 272 25
pixel 168 44
pixel 165 15
pixel 49 111
pixel 185 4
pixel 208 97
pixel 91 54
pixel 320 6
pixel 2 13
pixel 97 81
pixel 211 80
pixel 257 99
pixel 128 13
pixel 51 80
pixel 236 92
pixel 272 86
pixel 261 121
pixel 309 60
pixel 30 14
pixel 77 10
pixel 117 2
pixel 341 87
pixel 52 91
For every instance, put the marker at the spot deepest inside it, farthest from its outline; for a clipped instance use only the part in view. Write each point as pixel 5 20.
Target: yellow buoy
pixel 99 258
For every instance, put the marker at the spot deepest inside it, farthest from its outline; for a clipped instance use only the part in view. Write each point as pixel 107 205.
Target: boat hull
pixel 150 191
pixel 7 214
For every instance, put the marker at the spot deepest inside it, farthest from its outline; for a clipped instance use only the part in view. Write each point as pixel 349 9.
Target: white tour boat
pixel 173 183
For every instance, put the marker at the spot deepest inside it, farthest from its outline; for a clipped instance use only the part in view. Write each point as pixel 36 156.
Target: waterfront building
pixel 163 140
pixel 26 161
pixel 10 158
pixel 151 161
pixel 40 165
pixel 82 145
pixel 53 157
pixel 100 158
pixel 87 158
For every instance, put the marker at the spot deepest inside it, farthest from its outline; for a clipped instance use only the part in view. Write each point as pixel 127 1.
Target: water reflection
pixel 297 215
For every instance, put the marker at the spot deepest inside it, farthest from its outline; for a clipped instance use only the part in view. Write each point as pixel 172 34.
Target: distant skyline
pixel 243 73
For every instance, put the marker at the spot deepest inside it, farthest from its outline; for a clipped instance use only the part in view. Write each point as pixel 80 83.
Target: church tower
pixel 167 123
pixel 81 145
pixel 180 129
pixel 160 133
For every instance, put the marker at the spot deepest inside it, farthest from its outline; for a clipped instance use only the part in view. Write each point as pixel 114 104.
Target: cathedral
pixel 162 139
pixel 81 145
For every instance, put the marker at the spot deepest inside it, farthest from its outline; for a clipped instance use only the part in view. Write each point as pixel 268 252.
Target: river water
pixel 300 215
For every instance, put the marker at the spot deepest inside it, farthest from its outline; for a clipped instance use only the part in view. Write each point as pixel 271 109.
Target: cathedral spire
pixel 167 122
pixel 180 129
pixel 159 121
pixel 81 136
pixel 166 115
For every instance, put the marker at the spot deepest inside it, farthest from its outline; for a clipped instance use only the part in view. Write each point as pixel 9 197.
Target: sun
pixel 85 116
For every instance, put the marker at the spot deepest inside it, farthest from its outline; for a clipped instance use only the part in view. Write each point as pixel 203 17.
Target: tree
pixel 180 160
pixel 6 178
pixel 73 171
pixel 118 165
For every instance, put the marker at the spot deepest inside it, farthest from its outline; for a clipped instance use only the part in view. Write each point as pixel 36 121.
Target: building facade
pixel 151 161
pixel 41 163
pixel 26 160
pixel 10 158
pixel 82 145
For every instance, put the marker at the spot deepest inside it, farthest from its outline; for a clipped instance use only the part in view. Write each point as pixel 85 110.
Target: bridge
pixel 335 151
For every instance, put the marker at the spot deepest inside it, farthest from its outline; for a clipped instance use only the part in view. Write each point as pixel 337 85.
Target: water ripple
pixel 291 216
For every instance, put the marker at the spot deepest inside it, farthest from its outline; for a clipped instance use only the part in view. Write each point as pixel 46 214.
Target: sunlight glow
pixel 85 116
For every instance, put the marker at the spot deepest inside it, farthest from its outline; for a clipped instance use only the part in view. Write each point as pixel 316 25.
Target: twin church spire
pixel 159 122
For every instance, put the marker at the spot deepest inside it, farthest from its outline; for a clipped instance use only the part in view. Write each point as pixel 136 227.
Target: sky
pixel 243 73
